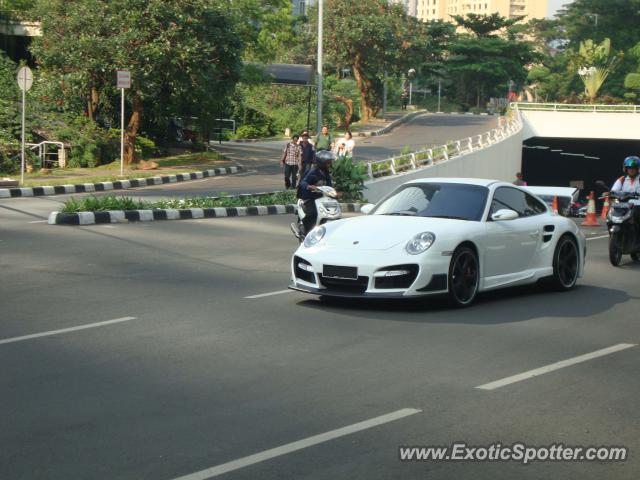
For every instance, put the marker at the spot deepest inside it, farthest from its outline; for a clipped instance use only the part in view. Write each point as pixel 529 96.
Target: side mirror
pixel 366 209
pixel 503 215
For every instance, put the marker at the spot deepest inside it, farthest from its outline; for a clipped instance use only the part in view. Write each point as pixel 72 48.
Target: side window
pixel 534 206
pixel 511 199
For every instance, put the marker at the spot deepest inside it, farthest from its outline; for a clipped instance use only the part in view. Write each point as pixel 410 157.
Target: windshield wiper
pixel 452 217
pixel 401 214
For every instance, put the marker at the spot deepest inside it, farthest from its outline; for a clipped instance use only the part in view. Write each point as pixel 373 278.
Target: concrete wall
pixel 499 161
pixel 613 126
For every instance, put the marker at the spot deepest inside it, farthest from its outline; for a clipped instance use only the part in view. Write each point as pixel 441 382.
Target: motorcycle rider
pixel 319 176
pixel 630 183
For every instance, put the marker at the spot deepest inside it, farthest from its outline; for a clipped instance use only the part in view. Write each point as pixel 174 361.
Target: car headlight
pixel 420 243
pixel 314 237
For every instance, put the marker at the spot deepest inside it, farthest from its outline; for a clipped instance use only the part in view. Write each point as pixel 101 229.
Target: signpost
pixel 25 81
pixel 123 81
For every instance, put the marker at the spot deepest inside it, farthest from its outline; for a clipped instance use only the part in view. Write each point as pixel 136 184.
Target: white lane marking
pixel 38 221
pixel 597 238
pixel 279 292
pixel 65 330
pixel 555 366
pixel 299 445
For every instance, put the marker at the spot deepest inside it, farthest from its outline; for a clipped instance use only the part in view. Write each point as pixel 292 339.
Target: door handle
pixel 534 234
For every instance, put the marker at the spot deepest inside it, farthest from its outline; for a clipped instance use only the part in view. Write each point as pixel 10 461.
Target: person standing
pixel 307 155
pixel 324 141
pixel 291 157
pixel 349 144
pixel 519 181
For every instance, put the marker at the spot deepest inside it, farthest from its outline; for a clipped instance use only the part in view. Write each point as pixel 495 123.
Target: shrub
pixel 250 131
pixel 145 147
pixel 348 179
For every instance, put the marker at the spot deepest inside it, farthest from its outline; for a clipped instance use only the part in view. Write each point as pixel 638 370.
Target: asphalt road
pixel 200 375
pixel 261 160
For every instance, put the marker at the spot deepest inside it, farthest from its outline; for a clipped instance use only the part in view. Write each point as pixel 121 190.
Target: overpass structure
pixel 499 153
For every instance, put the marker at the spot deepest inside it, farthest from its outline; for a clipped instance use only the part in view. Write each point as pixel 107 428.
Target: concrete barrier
pixel 495 155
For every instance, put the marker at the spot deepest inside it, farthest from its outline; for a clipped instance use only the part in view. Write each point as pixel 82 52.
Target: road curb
pixel 125 216
pixel 117 185
pixel 390 126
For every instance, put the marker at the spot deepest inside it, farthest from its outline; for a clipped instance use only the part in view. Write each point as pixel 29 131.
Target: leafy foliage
pixel 348 179
pixel 182 55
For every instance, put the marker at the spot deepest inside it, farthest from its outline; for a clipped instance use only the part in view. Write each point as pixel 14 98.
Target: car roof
pixel 483 182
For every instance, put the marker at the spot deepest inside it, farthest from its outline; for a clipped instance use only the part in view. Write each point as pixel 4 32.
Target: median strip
pixel 117 185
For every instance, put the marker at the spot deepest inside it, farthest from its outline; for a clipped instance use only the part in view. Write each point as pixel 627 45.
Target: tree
pixel 594 62
pixel 266 27
pixel 185 52
pixel 371 37
pixel 483 60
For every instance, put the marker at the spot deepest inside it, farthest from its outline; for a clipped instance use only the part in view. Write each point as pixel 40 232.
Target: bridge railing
pixel 564 107
pixel 437 154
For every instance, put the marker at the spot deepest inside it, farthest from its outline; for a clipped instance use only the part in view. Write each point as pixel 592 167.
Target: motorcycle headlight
pixel 314 237
pixel 420 243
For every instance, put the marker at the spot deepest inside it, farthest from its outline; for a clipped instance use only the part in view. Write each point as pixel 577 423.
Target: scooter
pixel 328 209
pixel 623 234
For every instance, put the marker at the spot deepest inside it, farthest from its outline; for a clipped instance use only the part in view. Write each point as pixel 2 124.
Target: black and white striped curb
pixel 391 125
pixel 117 185
pixel 122 216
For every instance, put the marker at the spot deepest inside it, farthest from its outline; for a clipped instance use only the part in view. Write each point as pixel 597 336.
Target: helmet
pixel 631 162
pixel 325 156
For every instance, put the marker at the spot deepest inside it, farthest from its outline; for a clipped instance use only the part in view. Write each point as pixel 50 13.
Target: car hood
pixel 381 232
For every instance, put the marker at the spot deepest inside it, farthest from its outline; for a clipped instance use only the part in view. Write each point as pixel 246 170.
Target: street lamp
pixel 319 77
pixel 411 73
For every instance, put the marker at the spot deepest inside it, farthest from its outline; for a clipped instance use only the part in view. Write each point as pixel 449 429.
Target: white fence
pixel 562 107
pixel 443 153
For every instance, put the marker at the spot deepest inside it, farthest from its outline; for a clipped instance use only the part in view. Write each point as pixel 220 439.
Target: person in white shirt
pixel 629 183
pixel 344 146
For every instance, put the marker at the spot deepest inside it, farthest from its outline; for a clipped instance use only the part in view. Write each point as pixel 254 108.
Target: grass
pixel 111 202
pixel 111 172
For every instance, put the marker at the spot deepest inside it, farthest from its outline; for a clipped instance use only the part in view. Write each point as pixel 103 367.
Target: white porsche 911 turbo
pixel 453 236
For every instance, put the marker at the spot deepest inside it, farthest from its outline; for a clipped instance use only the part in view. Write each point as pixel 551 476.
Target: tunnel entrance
pixel 565 162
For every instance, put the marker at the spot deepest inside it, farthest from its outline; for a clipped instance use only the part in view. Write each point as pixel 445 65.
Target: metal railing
pixel 434 155
pixel 565 107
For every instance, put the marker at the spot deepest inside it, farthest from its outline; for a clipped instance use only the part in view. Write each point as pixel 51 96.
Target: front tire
pixel 464 277
pixel 566 264
pixel 615 249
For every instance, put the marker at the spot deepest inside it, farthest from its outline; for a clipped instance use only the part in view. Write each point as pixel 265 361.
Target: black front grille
pixel 303 274
pixel 345 286
pixel 398 281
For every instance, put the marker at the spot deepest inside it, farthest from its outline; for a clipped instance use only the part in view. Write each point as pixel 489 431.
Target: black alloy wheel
pixel 566 264
pixel 464 277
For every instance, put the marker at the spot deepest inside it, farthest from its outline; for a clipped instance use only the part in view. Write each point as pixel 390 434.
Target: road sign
pixel 124 79
pixel 25 79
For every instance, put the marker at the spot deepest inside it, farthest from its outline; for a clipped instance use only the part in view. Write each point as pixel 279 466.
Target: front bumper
pixel 333 293
pixel 430 279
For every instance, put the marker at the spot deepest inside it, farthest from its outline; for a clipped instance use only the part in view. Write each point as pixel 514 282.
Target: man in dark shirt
pixel 320 176
pixel 308 155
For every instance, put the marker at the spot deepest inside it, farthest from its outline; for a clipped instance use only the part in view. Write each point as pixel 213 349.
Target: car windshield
pixel 436 200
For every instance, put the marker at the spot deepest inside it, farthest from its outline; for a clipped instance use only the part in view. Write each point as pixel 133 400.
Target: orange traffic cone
pixel 591 220
pixel 554 204
pixel 605 207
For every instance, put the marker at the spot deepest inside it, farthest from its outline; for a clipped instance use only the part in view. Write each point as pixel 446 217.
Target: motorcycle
pixel 623 234
pixel 328 209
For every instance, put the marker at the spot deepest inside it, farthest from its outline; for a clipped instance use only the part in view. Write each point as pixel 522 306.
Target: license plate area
pixel 343 273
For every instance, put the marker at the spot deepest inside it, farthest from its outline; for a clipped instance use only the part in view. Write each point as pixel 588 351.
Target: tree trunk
pixel 348 103
pixel 92 104
pixel 363 86
pixel 131 131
